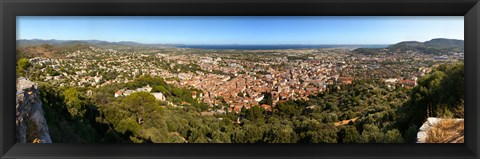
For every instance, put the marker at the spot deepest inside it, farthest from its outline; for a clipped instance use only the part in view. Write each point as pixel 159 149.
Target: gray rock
pixel 423 130
pixel 30 120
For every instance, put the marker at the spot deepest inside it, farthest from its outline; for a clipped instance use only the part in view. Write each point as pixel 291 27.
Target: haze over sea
pixel 276 47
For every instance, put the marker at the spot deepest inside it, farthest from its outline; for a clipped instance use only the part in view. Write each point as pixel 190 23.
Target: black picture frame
pixel 9 9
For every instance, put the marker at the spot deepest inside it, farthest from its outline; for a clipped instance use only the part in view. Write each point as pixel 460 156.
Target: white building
pixel 391 80
pixel 159 96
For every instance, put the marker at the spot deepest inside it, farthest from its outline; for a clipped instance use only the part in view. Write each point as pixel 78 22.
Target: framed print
pixel 231 79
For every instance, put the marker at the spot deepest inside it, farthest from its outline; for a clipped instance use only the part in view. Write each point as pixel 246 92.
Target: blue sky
pixel 242 29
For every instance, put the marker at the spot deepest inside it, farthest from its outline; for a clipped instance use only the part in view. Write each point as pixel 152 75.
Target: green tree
pixel 268 99
pixel 161 89
pixel 74 104
pixel 439 94
pixel 452 89
pixel 281 134
pixel 135 114
pixel 197 137
pixel 286 108
pixel 240 94
pixel 141 105
pixel 22 66
pixel 371 134
pixel 220 137
pixel 254 113
pixel 410 135
pixel 253 134
pixel 348 134
pixel 238 136
pixel 393 136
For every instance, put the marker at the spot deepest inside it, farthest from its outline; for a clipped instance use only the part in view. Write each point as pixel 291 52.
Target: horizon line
pixel 190 44
pixel 221 44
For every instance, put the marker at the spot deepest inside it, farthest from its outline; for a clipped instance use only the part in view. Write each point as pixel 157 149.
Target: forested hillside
pixel 434 46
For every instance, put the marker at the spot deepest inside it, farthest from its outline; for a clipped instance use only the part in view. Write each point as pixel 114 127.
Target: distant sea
pixel 276 47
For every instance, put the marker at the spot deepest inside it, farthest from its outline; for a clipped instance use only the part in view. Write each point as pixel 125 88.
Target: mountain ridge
pixel 36 42
pixel 98 43
pixel 433 46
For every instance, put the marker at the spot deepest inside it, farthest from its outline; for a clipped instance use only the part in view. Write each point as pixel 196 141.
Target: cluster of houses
pixel 240 82
pixel 345 80
pixel 408 83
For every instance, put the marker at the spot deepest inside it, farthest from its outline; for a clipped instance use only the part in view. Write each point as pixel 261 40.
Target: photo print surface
pixel 240 79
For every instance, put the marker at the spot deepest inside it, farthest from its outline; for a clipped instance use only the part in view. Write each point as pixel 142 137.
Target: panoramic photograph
pixel 240 79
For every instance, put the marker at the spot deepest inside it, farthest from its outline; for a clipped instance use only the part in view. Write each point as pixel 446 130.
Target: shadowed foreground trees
pixel 438 94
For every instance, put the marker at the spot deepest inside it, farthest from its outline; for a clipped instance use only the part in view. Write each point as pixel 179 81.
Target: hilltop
pixel 434 46
pixel 54 48
pixel 96 43
pixel 60 48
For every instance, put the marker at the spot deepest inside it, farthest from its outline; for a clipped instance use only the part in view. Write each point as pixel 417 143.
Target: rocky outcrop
pixel 30 121
pixel 441 130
